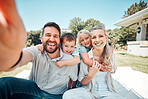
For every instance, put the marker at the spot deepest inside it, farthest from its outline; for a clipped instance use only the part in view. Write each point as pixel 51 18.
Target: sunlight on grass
pixel 136 62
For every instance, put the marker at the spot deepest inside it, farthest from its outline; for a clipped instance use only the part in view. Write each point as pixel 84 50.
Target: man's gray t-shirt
pixel 47 75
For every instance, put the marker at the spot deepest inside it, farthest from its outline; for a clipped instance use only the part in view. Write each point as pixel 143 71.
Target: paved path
pixel 129 83
pixel 23 74
pixel 132 79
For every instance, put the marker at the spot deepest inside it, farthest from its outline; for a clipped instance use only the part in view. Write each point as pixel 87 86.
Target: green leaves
pixel 135 8
pixel 121 36
pixel 33 38
pixel 76 24
pixel 90 23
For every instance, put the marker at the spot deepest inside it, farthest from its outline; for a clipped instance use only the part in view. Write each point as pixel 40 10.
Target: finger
pixel 3 26
pixel 93 64
pixel 96 64
pixel 9 11
pixel 103 64
pixel 109 69
pixel 99 66
pixel 3 22
pixel 103 70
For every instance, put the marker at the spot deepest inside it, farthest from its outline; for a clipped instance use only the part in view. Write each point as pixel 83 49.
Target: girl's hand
pixel 94 69
pixel 41 48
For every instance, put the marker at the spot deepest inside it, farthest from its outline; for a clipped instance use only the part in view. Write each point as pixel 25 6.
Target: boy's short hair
pixel 68 37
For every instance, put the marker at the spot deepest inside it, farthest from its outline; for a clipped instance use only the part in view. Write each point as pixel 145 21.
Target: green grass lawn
pixel 122 59
pixel 136 62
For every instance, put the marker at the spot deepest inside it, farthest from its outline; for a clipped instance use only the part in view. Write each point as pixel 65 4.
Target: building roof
pixel 134 19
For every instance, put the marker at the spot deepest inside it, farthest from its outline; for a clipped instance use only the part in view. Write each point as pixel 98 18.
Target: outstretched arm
pixel 12 35
pixel 69 62
pixel 26 58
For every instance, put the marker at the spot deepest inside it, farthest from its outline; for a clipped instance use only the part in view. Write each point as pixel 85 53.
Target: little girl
pixel 84 46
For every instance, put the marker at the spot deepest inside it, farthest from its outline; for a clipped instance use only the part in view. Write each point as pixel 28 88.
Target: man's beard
pixel 57 46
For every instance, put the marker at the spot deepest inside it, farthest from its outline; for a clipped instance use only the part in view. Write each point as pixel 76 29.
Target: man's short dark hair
pixel 51 24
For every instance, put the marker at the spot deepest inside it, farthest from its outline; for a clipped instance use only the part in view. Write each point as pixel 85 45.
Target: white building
pixel 138 20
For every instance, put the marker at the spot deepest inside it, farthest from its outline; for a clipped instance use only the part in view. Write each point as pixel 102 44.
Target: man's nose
pixel 52 38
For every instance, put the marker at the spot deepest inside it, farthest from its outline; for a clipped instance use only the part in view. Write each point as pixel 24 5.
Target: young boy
pixel 68 42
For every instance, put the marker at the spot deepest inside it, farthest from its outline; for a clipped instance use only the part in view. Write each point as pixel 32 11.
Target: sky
pixel 36 13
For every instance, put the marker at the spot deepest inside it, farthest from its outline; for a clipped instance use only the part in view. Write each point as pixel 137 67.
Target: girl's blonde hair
pixel 108 51
pixel 78 36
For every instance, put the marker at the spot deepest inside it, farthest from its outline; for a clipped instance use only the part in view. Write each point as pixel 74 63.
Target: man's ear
pixel 42 39
pixel 106 37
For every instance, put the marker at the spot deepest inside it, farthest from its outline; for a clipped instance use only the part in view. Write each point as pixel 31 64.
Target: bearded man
pixel 46 80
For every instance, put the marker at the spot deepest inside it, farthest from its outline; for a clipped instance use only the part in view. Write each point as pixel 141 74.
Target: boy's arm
pixel 86 59
pixel 68 62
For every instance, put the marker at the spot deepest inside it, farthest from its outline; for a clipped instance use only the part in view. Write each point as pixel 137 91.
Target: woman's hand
pixel 92 72
pixel 94 69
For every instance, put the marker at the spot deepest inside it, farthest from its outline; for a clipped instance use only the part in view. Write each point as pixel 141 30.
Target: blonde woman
pixel 96 80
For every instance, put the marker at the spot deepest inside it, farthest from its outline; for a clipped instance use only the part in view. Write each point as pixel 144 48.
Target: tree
pixel 135 8
pixel 113 37
pixel 76 24
pixel 90 23
pixel 126 34
pixel 33 38
pixel 120 37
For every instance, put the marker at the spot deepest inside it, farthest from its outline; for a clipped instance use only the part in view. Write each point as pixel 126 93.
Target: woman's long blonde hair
pixel 108 51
